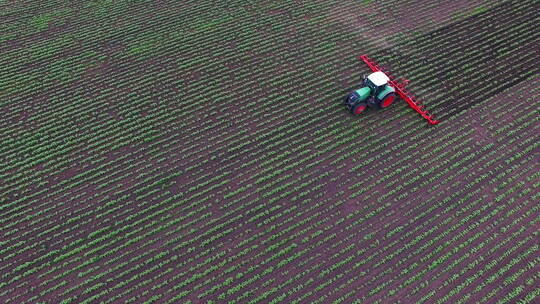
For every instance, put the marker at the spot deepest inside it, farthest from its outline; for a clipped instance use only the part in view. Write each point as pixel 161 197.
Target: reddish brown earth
pixel 216 99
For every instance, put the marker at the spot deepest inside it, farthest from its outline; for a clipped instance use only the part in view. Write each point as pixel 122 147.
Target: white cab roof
pixel 378 78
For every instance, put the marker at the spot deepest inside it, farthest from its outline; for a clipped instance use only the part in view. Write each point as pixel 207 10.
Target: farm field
pixel 199 152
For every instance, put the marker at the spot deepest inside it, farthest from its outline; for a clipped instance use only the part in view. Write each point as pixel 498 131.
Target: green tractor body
pixel 364 93
pixel 375 92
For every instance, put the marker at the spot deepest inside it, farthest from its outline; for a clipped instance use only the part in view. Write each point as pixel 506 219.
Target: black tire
pixel 358 108
pixel 387 100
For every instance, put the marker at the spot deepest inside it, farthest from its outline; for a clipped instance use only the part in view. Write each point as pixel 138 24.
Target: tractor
pixel 374 93
pixel 379 90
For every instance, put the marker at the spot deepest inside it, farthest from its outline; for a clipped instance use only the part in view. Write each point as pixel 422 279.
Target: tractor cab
pixel 376 81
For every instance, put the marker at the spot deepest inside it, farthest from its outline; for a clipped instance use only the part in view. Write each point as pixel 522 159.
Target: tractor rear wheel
pixel 387 100
pixel 359 108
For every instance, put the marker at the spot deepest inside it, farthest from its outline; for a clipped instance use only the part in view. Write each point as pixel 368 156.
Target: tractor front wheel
pixel 387 100
pixel 359 108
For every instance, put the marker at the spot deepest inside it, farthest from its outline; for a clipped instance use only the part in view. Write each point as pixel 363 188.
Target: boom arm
pixel 400 89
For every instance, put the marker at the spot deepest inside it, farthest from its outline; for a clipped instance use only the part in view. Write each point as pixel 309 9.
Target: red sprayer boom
pixel 400 89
